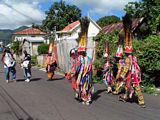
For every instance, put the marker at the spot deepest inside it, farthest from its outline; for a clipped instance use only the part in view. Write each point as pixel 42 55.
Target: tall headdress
pixel 83 35
pixel 120 46
pixel 106 52
pixel 50 50
pixel 127 24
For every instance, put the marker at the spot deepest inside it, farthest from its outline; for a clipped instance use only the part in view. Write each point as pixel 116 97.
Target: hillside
pixel 6 34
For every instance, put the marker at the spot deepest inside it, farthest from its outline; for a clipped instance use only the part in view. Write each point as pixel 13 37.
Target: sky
pixel 16 13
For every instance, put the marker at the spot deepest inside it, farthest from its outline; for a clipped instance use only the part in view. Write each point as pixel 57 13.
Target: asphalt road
pixel 53 100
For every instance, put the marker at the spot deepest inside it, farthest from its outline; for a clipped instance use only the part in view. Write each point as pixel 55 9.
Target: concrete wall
pixel 41 59
pixel 63 48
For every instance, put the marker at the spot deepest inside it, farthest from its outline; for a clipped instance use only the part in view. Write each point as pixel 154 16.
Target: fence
pixel 63 48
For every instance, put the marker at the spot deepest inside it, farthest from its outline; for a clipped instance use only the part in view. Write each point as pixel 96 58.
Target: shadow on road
pixel 55 79
pixel 97 94
pixel 33 79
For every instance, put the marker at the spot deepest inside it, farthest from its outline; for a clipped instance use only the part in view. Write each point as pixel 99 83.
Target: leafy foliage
pixel 15 47
pixel 148 53
pixel 106 20
pixel 43 49
pixel 34 61
pixel 113 39
pixel 149 9
pixel 60 15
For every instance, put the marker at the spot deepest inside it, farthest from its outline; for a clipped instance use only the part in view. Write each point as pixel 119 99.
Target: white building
pixel 33 38
pixel 71 31
pixel 66 39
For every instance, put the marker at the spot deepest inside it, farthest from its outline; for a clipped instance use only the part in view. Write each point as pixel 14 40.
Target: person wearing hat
pixel 120 64
pixel 84 80
pixel 132 78
pixel 128 74
pixel 108 77
pixel 73 72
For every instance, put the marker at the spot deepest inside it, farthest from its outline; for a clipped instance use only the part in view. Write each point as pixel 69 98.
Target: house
pixel 71 31
pixel 30 39
pixel 136 24
pixel 67 39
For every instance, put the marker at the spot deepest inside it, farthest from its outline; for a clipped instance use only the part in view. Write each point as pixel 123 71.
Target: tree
pixel 43 49
pixel 147 52
pixel 107 20
pixel 35 26
pixel 60 15
pixel 149 9
pixel 15 47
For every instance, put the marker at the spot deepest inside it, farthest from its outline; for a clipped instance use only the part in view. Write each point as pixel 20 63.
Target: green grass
pixel 151 90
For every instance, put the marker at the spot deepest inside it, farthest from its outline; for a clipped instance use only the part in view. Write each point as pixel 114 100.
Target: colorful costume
pixel 131 70
pixel 120 64
pixel 133 79
pixel 51 66
pixel 119 80
pixel 73 73
pixel 108 77
pixel 84 81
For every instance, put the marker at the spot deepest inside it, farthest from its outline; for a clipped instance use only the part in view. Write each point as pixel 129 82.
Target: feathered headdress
pixel 83 35
pixel 127 25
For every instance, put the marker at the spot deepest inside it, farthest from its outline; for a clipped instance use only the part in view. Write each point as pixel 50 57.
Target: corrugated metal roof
pixel 119 26
pixel 30 31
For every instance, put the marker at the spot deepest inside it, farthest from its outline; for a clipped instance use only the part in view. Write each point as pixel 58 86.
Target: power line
pixel 9 6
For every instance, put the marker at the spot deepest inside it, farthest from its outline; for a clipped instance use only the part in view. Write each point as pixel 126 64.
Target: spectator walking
pixel 27 66
pixel 9 65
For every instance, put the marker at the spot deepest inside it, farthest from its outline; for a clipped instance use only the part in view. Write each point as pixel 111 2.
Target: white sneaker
pixel 7 81
pixel 87 103
pixel 83 103
pixel 27 80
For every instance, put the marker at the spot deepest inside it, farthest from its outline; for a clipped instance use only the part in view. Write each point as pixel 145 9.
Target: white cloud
pixel 103 7
pixel 15 13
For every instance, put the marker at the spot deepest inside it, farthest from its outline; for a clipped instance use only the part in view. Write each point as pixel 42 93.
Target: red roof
pixel 31 31
pixel 72 25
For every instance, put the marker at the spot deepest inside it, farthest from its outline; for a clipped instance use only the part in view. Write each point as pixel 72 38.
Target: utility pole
pixel 52 35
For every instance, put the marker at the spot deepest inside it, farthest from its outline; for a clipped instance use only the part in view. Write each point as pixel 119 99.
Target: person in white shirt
pixel 27 66
pixel 9 65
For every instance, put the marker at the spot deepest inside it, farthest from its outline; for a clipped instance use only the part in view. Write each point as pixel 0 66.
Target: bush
pixel 112 38
pixel 147 52
pixel 34 60
pixel 15 47
pixel 43 49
